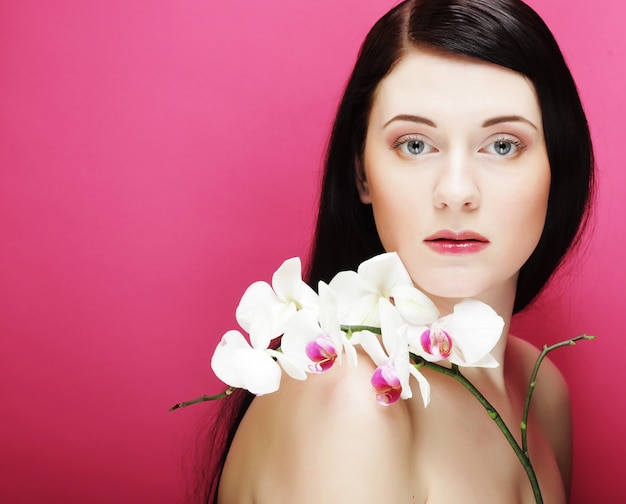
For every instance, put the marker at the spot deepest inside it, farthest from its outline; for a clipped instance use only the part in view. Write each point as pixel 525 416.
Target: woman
pixel 461 144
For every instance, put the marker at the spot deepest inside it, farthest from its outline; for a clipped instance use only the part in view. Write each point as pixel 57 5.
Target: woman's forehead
pixel 432 84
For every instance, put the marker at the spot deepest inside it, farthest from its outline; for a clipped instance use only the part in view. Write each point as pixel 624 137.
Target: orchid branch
pixel 350 329
pixel 520 451
pixel 533 382
pixel 203 398
pixel 455 373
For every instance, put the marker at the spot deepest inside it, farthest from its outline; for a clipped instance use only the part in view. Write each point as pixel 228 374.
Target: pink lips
pixel 456 243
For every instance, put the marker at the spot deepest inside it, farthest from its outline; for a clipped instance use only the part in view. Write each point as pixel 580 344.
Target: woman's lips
pixel 456 243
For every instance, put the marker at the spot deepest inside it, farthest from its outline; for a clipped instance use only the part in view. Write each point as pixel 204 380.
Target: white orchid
pixel 240 365
pixel 465 337
pixel 253 366
pixel 287 294
pixel 379 295
pixel 391 377
pixel 383 276
pixel 316 343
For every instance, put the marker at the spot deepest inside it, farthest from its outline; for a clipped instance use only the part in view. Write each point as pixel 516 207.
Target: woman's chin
pixel 445 296
pixel 453 291
pixel 500 296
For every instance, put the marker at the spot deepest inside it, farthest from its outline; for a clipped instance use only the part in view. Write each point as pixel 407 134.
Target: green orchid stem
pixel 356 328
pixel 493 414
pixel 203 398
pixel 533 382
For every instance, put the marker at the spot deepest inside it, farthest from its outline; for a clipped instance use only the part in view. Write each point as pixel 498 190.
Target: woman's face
pixel 456 170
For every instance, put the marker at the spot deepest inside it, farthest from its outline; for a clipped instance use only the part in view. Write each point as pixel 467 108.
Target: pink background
pixel 157 157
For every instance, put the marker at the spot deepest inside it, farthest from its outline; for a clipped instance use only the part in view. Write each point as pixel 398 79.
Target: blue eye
pixel 411 146
pixel 415 147
pixel 503 148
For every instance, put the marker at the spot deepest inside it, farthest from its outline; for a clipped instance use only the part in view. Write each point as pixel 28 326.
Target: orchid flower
pixel 316 345
pixel 383 276
pixel 253 366
pixel 465 337
pixel 391 377
pixel 287 294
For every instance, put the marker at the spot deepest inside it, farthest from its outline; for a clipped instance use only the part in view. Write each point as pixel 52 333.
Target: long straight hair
pixel 507 33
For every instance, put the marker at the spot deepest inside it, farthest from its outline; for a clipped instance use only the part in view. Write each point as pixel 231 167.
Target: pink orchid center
pixel 436 342
pixel 387 384
pixel 322 352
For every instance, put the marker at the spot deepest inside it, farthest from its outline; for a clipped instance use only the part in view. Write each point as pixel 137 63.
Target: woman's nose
pixel 456 187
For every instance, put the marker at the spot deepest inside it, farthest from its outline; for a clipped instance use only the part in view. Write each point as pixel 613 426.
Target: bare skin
pixel 328 438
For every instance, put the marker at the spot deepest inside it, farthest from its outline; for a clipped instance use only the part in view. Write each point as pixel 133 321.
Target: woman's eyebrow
pixel 410 118
pixel 510 118
pixel 486 124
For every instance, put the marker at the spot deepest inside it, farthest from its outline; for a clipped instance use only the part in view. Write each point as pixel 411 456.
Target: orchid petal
pixel 369 342
pixel 239 365
pixel 311 346
pixel 404 372
pixel 323 352
pixel 423 384
pixel 261 328
pixel 259 372
pixel 351 355
pixel 384 271
pixel 394 336
pixel 475 328
pixel 377 278
pixel 301 329
pixel 289 287
pixel 387 384
pixel 281 314
pixel 291 367
pixel 259 293
pixel 349 289
pixel 287 280
pixel 224 360
pixel 400 358
pixel 289 293
pixel 327 307
pixel 308 300
pixel 391 325
pixel 437 343
pixel 414 339
pixel 365 311
pixel 415 307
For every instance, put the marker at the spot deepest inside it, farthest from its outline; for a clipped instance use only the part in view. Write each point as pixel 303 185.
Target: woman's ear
pixel 361 183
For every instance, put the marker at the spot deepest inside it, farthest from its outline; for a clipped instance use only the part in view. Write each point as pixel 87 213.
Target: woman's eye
pixel 505 147
pixel 412 146
pixel 415 147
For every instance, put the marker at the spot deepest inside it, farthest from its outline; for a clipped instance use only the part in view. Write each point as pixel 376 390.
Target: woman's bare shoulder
pixel 550 405
pixel 326 434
